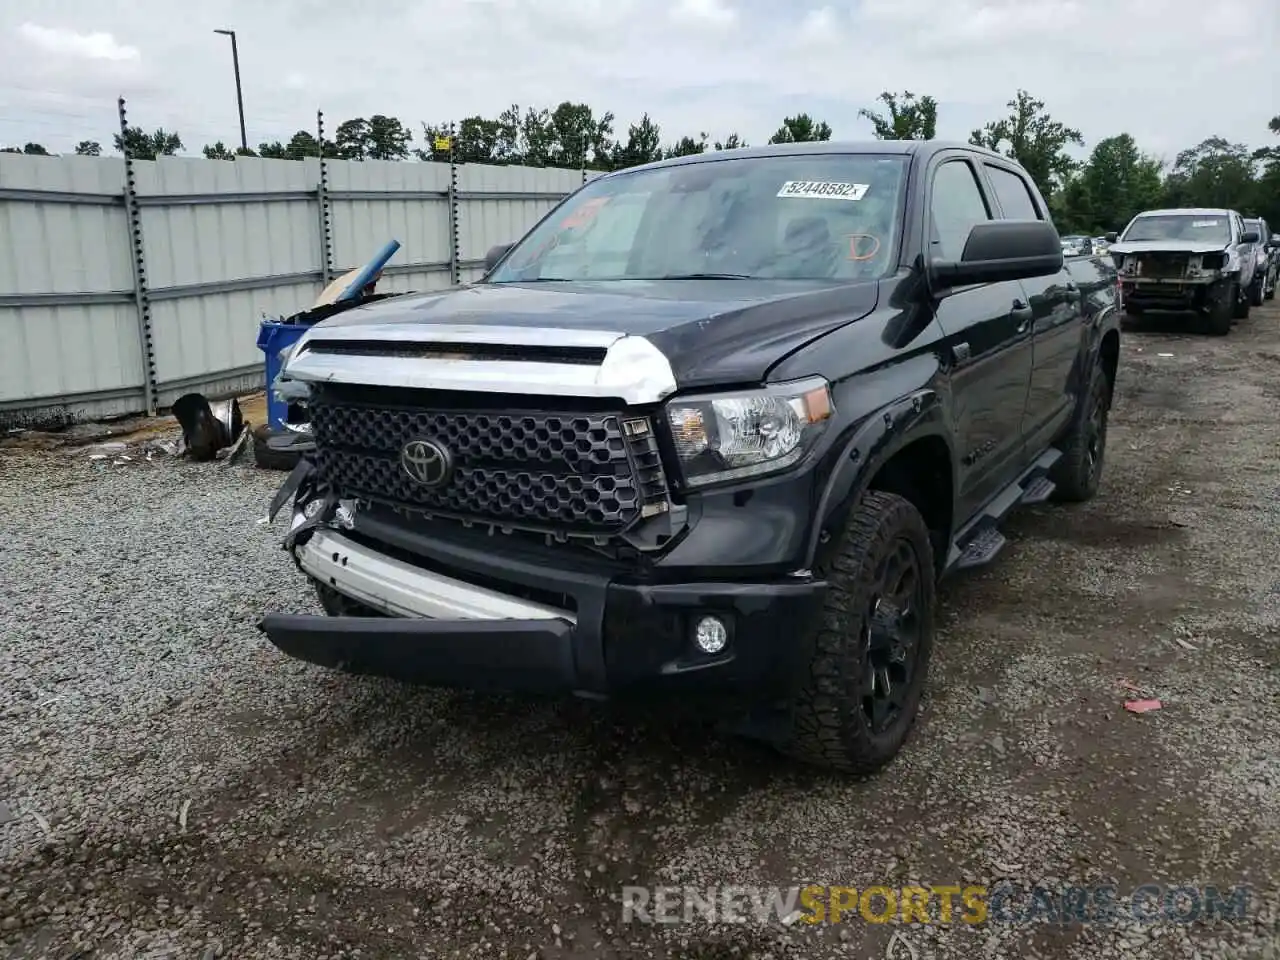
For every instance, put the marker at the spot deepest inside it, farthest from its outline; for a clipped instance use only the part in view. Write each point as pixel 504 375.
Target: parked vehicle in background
pixel 714 426
pixel 1100 246
pixel 1267 259
pixel 1192 259
pixel 1077 246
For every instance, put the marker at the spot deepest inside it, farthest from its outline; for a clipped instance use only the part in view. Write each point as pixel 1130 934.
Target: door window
pixel 956 205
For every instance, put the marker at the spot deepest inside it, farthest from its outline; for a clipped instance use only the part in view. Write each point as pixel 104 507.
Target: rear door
pixel 988 334
pixel 1057 320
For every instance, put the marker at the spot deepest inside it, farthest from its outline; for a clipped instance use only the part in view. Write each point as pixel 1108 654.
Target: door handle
pixel 1022 313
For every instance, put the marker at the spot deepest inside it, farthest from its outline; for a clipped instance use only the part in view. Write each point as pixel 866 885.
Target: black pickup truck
pixel 714 427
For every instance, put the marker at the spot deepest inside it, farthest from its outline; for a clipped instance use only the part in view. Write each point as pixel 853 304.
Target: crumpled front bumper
pixel 467 615
pixel 1194 293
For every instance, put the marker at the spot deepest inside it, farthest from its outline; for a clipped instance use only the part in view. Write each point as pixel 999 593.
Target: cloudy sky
pixel 1171 72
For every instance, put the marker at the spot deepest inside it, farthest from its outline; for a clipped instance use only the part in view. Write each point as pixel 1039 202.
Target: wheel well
pixel 921 473
pixel 1109 355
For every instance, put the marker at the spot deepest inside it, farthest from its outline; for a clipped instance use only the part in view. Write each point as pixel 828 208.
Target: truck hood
pixel 1167 246
pixel 712 331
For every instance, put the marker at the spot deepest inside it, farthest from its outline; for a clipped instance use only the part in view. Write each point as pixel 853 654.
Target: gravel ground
pixel 171 786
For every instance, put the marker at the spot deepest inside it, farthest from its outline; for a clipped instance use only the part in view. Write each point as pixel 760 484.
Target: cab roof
pixel 924 149
pixel 1187 212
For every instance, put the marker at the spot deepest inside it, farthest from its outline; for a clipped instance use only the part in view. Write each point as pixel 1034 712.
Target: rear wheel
pixel 1078 472
pixel 862 685
pixel 1270 292
pixel 1257 291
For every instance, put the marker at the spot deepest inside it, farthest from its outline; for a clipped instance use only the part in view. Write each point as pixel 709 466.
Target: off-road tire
pixel 828 727
pixel 1257 292
pixel 269 457
pixel 1221 313
pixel 1077 473
pixel 1269 293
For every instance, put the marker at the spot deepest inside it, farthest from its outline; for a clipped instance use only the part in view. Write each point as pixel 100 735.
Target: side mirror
pixel 1001 250
pixel 1112 237
pixel 1249 236
pixel 495 254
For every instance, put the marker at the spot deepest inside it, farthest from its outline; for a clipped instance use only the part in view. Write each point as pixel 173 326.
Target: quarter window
pixel 1014 195
pixel 955 207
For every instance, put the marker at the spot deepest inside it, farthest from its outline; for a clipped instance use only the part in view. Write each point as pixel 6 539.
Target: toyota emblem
pixel 426 463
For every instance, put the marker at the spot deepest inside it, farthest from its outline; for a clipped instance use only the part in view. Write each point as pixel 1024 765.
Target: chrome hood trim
pixel 632 369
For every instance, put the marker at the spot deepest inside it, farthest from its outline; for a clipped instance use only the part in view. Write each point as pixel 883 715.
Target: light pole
pixel 235 61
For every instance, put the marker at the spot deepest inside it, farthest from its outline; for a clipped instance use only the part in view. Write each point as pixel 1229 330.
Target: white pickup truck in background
pixel 1195 259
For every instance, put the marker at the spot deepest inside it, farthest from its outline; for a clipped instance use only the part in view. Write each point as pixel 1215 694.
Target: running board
pixel 1037 491
pixel 979 542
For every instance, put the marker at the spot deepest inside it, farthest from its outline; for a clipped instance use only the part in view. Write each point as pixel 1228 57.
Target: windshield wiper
pixel 705 276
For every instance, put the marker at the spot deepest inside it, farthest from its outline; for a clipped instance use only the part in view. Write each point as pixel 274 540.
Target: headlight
pixel 748 434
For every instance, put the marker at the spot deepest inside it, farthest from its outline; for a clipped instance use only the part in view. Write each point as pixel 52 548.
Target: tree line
pixel 1101 193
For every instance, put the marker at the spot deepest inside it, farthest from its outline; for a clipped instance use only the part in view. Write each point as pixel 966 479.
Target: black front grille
pixel 585 472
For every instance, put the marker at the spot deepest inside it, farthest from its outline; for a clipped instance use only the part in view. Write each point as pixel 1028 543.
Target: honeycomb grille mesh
pixel 580 471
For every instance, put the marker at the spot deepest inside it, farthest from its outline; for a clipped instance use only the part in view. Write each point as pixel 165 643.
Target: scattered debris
pixel 1185 644
pixel 1142 706
pixel 207 427
pixel 39 818
pixel 101 451
pixel 230 453
pixel 182 814
pixel 1164 354
pixel 899 947
pixel 170 448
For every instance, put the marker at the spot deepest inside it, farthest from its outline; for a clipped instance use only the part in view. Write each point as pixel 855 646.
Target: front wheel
pixel 1221 310
pixel 1239 303
pixel 1257 291
pixel 860 689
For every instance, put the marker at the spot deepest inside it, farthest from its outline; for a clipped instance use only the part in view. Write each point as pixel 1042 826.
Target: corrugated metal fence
pixel 123 288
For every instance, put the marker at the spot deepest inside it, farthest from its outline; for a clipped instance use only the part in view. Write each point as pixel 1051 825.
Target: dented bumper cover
pixel 457 613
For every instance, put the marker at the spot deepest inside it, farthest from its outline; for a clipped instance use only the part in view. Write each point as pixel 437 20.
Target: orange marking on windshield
pixel 584 214
pixel 858 243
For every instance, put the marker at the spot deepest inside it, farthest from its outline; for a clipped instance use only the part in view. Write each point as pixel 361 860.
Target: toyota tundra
pixel 714 426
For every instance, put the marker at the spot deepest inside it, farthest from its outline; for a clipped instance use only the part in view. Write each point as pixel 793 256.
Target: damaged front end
pixel 312 505
pixel 1172 280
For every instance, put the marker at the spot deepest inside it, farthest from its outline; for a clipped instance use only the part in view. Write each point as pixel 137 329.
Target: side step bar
pixel 980 541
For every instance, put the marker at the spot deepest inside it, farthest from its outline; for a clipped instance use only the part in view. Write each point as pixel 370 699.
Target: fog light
pixel 711 635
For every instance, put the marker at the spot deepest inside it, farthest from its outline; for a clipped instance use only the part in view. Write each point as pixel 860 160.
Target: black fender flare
pixel 874 442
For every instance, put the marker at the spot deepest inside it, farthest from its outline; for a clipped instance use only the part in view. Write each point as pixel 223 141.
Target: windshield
pixel 821 217
pixel 1182 226
pixel 1259 227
